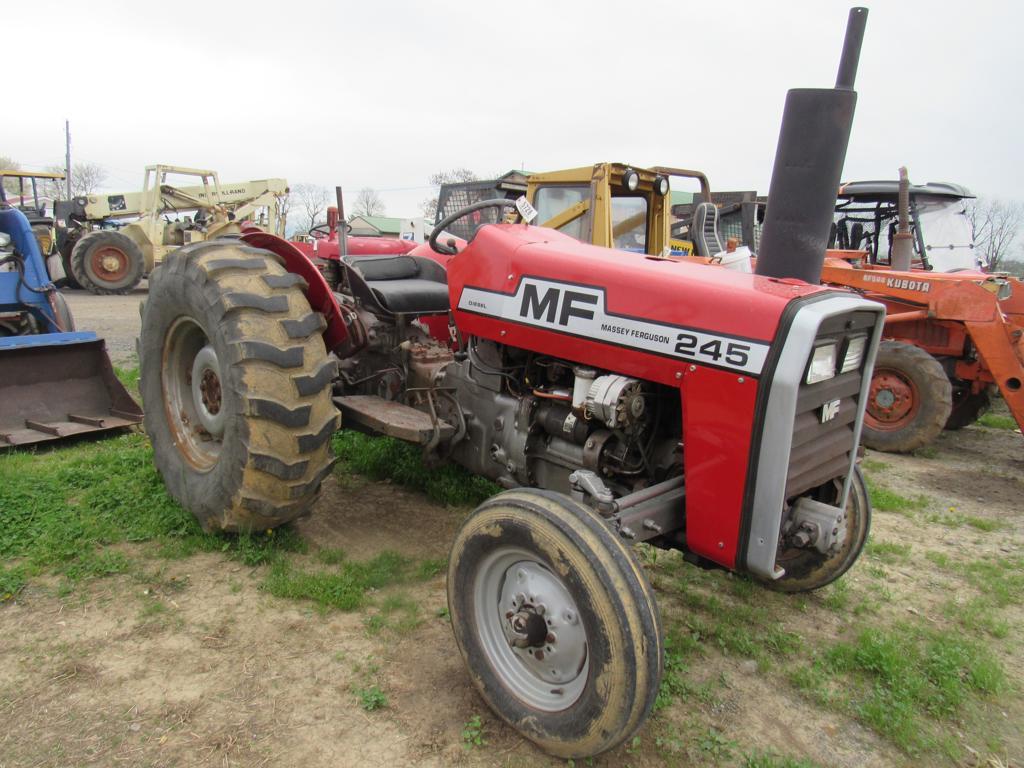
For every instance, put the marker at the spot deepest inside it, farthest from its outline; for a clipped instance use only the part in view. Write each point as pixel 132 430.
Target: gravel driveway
pixel 113 318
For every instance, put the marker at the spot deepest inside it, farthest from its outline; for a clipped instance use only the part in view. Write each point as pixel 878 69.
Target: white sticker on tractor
pixel 579 310
pixel 527 211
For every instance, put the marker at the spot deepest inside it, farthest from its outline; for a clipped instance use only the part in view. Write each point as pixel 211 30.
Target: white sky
pixel 383 93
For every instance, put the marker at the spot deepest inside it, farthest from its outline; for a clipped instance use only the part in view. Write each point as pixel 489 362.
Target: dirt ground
pixel 113 318
pixel 193 664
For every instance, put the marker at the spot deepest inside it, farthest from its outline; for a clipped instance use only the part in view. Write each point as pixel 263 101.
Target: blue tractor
pixel 54 381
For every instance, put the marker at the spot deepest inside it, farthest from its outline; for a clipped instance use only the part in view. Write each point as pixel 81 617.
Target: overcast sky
pixel 383 94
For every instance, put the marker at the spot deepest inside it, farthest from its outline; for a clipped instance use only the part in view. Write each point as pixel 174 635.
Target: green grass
pixel 345 586
pixel 384 458
pixel 887 500
pixel 887 551
pixel 997 421
pixel 473 733
pixel 773 760
pixel 902 681
pixel 371 699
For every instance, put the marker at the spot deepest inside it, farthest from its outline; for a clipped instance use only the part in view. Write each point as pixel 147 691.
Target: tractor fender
pixel 318 292
pixel 138 235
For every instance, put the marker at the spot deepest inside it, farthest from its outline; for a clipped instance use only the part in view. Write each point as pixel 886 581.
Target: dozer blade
pixel 54 390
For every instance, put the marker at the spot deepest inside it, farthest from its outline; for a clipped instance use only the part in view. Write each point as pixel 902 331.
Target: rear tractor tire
pixel 909 402
pixel 106 262
pixel 968 407
pixel 236 385
pixel 556 622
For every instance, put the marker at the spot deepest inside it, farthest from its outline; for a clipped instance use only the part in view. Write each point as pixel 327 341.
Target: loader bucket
pixel 54 389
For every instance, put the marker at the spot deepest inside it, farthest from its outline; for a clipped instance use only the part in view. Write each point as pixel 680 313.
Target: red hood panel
pixel 513 279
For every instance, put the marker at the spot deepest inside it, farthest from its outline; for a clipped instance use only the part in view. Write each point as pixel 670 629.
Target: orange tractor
pixel 952 333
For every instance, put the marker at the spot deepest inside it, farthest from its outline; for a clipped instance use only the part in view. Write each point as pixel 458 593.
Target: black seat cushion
pixel 400 284
pixel 412 295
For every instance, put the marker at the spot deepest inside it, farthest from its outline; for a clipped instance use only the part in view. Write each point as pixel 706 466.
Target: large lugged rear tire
pixel 556 622
pixel 106 261
pixel 909 401
pixel 236 385
pixel 968 407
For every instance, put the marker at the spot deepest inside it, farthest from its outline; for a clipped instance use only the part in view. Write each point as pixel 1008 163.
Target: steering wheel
pixel 447 221
pixel 323 231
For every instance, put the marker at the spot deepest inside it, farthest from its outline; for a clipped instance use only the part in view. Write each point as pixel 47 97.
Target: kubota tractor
pixel 618 398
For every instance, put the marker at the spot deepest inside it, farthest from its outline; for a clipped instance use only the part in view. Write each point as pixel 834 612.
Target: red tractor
pixel 619 398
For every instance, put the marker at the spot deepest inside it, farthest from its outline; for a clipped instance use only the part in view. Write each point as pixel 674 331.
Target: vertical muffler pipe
pixel 902 241
pixel 815 132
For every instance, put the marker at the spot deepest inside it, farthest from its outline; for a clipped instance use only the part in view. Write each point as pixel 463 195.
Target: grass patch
pixel 886 500
pixel 984 523
pixel 12 581
pixel 901 681
pixel 384 458
pixel 887 551
pixel 473 733
pixel 371 699
pixel 129 377
pixel 344 587
pixel 997 421
pixel 774 760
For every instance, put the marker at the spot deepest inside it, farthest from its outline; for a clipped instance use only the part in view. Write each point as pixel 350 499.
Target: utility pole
pixel 67 158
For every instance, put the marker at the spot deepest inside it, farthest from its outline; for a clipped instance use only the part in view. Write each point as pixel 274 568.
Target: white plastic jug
pixel 738 260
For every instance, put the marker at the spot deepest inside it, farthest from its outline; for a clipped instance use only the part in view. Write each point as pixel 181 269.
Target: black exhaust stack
pixel 809 161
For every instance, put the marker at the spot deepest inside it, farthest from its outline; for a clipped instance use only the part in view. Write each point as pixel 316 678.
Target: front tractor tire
pixel 556 622
pixel 909 402
pixel 808 569
pixel 106 261
pixel 236 386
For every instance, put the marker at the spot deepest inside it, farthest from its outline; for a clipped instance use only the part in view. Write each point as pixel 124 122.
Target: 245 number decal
pixel 735 353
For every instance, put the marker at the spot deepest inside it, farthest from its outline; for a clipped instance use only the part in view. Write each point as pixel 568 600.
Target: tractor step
pixel 386 417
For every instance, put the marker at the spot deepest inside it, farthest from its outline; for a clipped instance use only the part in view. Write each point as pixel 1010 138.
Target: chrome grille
pixel 820 449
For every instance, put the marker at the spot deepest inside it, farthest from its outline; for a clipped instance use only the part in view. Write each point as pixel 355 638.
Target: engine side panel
pixel 718 410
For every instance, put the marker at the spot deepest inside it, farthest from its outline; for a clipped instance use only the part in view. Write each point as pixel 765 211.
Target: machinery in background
pixel 110 241
pixel 953 334
pixel 29 194
pixel 54 381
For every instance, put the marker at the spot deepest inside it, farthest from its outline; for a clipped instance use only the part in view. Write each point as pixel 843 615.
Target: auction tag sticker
pixel 527 211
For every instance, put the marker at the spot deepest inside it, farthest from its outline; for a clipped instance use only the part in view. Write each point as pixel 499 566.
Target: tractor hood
pixel 540 289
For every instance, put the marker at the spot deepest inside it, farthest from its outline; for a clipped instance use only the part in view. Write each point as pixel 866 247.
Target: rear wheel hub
pixel 892 401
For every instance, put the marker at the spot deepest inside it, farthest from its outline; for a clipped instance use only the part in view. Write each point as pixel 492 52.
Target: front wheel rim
pixel 530 630
pixel 193 393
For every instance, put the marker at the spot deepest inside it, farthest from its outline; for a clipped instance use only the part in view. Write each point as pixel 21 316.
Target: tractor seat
pixel 400 284
pixel 707 240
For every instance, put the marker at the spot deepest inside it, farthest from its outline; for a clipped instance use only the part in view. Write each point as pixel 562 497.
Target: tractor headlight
pixel 661 185
pixel 823 364
pixel 853 354
pixel 630 179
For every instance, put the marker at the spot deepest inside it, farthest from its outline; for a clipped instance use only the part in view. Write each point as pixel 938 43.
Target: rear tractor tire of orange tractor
pixel 909 402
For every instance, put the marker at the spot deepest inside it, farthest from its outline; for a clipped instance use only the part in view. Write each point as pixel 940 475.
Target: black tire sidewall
pixel 811 571
pixel 80 260
pixel 934 392
pixel 205 492
pixel 560 730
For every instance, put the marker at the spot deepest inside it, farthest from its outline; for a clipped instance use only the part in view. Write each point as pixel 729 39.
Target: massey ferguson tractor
pixel 618 398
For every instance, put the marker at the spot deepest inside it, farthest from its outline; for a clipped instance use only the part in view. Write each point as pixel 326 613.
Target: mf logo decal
pixel 580 311
pixel 829 410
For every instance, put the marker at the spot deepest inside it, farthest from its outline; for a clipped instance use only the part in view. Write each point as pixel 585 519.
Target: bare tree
pixel 86 178
pixel 995 225
pixel 9 164
pixel 311 200
pixel 368 203
pixel 429 206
